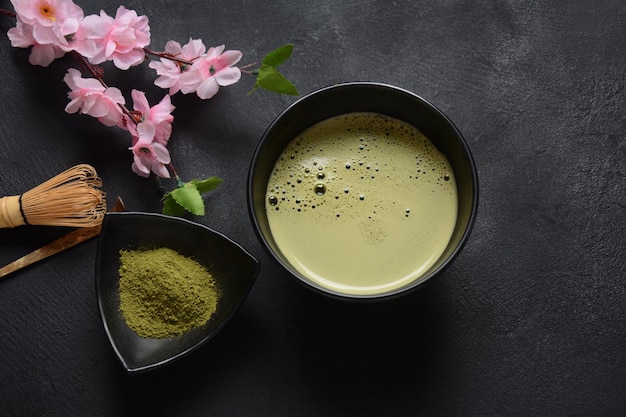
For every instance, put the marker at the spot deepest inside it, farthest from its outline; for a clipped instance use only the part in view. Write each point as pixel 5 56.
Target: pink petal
pixel 193 49
pixel 140 102
pixel 87 48
pixel 214 52
pixel 139 168
pixel 162 112
pixel 45 34
pixel 228 76
pixel 86 102
pixel 73 106
pixel 230 57
pixel 163 133
pixel 115 95
pixel 161 153
pixel 109 48
pixel 125 61
pixel 97 26
pixel 189 81
pixel 160 169
pixel 208 88
pixel 21 35
pixel 69 26
pixel 97 108
pixel 70 77
pixel 123 15
pixel 173 47
pixel 146 131
pixel 88 83
pixel 43 55
pixel 166 82
pixel 111 119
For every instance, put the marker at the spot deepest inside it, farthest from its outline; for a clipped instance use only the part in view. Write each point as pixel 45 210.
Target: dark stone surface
pixel 530 318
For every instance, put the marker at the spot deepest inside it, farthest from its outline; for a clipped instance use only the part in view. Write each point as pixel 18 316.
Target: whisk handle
pixel 11 212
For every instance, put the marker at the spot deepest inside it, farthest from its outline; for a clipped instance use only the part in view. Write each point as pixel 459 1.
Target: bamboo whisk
pixel 73 198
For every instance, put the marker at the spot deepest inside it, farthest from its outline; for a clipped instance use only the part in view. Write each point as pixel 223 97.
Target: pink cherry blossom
pixel 120 39
pixel 92 98
pixel 53 27
pixel 45 12
pixel 159 115
pixel 170 70
pixel 21 36
pixel 210 71
pixel 53 22
pixel 148 155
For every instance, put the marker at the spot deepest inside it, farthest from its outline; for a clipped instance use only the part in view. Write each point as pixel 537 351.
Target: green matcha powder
pixel 163 293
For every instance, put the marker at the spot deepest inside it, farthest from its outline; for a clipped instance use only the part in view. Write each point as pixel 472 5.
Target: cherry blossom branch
pixel 172 170
pixel 53 28
pixel 95 70
pixel 167 55
pixel 245 70
pixel 7 13
pixel 184 62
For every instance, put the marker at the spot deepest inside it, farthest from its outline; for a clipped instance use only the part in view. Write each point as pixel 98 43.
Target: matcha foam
pixel 362 203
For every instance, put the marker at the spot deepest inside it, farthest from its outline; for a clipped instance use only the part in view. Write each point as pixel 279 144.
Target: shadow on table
pixel 318 354
pixel 368 358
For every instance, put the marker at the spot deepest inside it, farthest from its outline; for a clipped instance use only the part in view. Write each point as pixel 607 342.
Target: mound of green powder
pixel 163 293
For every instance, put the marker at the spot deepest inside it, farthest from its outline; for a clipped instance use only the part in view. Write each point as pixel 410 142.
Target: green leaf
pixel 189 197
pixel 278 56
pixel 206 185
pixel 270 79
pixel 171 207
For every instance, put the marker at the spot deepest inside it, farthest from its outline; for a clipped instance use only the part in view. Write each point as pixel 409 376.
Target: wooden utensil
pixel 71 239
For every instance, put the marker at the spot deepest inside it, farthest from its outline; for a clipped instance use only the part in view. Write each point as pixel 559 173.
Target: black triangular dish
pixel 233 268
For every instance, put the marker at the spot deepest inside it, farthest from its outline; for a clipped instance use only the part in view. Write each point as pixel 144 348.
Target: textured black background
pixel 530 318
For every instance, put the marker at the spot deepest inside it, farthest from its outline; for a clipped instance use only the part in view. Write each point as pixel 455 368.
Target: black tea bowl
pixel 234 271
pixel 365 97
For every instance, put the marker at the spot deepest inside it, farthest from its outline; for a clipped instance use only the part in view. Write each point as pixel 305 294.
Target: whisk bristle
pixel 73 198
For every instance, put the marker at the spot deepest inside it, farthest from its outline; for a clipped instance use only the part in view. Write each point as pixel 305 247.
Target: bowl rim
pixel 397 292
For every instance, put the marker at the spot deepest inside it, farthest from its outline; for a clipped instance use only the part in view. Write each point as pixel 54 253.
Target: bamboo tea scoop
pixel 73 198
pixel 65 242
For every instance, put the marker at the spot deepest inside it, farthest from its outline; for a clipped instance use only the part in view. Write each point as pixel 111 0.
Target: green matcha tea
pixel 362 203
